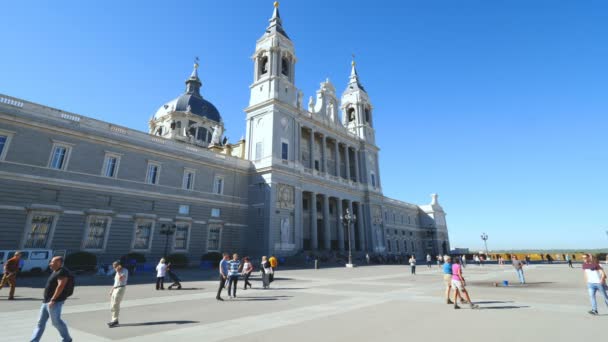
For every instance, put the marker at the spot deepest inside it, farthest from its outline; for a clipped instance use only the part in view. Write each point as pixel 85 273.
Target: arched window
pixel 285 66
pixel 262 66
pixel 367 112
pixel 350 114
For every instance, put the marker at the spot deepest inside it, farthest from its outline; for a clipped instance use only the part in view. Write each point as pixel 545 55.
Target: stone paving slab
pixel 333 304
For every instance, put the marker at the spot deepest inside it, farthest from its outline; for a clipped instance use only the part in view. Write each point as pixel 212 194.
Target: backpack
pixel 68 290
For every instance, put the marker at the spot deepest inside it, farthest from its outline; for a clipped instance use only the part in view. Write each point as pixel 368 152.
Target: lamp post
pixel 167 230
pixel 484 237
pixel 347 219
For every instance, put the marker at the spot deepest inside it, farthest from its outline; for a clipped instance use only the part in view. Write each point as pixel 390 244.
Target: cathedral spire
pixel 276 25
pixel 354 77
pixel 193 83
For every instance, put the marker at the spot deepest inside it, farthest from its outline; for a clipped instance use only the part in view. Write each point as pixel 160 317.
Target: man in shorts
pixel 11 267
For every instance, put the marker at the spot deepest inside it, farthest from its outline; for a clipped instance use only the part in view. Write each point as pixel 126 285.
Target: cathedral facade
pixel 305 178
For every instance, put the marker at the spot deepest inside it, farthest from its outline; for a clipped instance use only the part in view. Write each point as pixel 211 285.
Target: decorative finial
pixel 276 4
pixel 196 62
pixel 353 62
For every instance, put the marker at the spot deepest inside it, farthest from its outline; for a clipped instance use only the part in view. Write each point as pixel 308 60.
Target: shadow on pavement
pixel 502 307
pixel 156 323
pixel 493 302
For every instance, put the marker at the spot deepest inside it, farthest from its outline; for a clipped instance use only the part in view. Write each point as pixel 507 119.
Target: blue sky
pixel 498 106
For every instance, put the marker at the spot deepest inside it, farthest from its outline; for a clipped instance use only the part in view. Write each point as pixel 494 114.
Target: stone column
pixel 337 148
pixel 360 226
pixel 356 153
pixel 340 225
pixel 312 148
pixel 298 220
pixel 314 241
pixel 347 159
pixel 326 226
pixel 297 151
pixel 324 159
pixel 351 229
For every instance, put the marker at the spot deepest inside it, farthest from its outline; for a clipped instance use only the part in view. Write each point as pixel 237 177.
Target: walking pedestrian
pixel 439 260
pixel 367 258
pixel 569 260
pixel 161 272
pixel 519 268
pixel 464 261
pixel 11 267
pixel 56 291
pixel 458 283
pixel 273 264
pixel 247 269
pixel 412 262
pixel 266 272
pixel 118 291
pixel 447 278
pixel 428 261
pixel 596 281
pixel 234 266
pixel 223 269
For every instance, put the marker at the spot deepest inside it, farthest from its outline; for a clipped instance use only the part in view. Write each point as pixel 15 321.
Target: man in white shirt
pixel 118 291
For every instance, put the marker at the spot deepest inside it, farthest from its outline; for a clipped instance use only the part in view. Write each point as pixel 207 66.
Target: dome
pixel 191 101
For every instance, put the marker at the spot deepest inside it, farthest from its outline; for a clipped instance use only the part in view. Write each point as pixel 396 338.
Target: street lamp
pixel 347 219
pixel 484 237
pixel 167 230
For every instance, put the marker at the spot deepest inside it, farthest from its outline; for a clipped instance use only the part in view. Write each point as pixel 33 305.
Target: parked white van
pixel 34 260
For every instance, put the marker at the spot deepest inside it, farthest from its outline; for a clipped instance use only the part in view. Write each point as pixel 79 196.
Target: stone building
pixel 74 183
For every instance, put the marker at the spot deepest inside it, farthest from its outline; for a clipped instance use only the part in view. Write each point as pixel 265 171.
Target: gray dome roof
pixel 191 101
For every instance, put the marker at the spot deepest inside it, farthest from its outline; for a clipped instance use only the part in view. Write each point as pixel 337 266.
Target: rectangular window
pixel 285 151
pixel 184 209
pixel 3 143
pixel 59 157
pixel 110 165
pixel 388 245
pixel 96 232
pixel 188 180
pixel 39 255
pixel 213 240
pixel 259 149
pixel 215 212
pixel 397 249
pixel 317 165
pixel 218 185
pixel 181 236
pixel 143 235
pixel 373 176
pixel 153 173
pixel 39 229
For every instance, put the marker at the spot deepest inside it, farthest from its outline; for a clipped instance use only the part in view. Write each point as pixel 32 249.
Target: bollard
pixel 316 264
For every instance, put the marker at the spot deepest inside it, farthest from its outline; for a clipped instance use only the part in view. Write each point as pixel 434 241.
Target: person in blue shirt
pixel 234 269
pixel 223 275
pixel 447 277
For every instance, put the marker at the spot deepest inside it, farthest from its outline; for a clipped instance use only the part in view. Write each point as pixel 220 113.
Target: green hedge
pixel 140 258
pixel 178 260
pixel 84 261
pixel 213 257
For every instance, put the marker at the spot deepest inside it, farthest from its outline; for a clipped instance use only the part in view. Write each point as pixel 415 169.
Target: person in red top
pixel 10 274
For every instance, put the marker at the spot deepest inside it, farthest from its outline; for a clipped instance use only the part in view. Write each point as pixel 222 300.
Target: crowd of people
pixel 60 284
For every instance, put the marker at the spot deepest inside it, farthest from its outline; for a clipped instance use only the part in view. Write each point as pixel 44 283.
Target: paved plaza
pixel 330 304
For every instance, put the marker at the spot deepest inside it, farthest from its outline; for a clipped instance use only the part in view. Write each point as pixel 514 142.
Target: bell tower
pixel 358 119
pixel 274 63
pixel 357 109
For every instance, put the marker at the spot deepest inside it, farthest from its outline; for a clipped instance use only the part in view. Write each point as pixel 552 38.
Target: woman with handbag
pixel 266 272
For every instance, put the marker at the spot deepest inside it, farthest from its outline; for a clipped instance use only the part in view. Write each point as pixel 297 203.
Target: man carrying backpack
pixel 59 287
